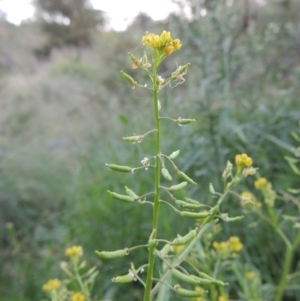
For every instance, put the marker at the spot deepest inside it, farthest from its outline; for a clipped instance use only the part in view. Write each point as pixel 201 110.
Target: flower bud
pixel 166 174
pixel 183 176
pixel 119 167
pixel 194 215
pixel 113 254
pixel 174 155
pixel 121 197
pixel 178 186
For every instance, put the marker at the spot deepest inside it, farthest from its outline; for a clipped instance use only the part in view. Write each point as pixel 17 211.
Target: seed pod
pixel 186 278
pixel 164 251
pixel 178 186
pixel 185 239
pixel 183 176
pixel 113 254
pixel 233 219
pixel 192 201
pixel 152 243
pixel 213 280
pixel 211 188
pixel 174 155
pixel 119 167
pixel 188 205
pixel 121 197
pixel 129 78
pixel 187 293
pixel 134 139
pixel 131 193
pixel 202 281
pixel 124 278
pixel 166 174
pixel 182 121
pixel 194 215
pixel 182 69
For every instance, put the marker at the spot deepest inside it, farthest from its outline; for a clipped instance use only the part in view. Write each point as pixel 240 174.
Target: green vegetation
pixel 63 119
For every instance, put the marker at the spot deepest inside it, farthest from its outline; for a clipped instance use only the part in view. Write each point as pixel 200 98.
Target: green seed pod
pixel 124 278
pixel 166 174
pixel 194 215
pixel 158 105
pixel 183 68
pixel 152 243
pixel 113 254
pixel 131 193
pixel 134 139
pixel 211 188
pixel 233 219
pixel 183 176
pixel 121 197
pixel 129 78
pixel 119 167
pixel 164 251
pixel 185 239
pixel 186 278
pixel 202 281
pixel 178 186
pixel 188 205
pixel 174 155
pixel 213 280
pixel 193 201
pixel 182 121
pixel 187 293
pixel 133 59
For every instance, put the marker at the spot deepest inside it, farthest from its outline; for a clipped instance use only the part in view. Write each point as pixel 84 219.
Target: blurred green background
pixel 64 109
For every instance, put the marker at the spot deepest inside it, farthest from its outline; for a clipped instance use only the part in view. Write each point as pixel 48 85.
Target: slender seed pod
pixel 174 155
pixel 233 219
pixel 166 174
pixel 182 121
pixel 188 205
pixel 113 254
pixel 178 186
pixel 194 215
pixel 129 78
pixel 121 197
pixel 213 280
pixel 124 278
pixel 164 251
pixel 187 293
pixel 202 281
pixel 185 278
pixel 192 201
pixel 185 239
pixel 183 176
pixel 134 139
pixel 119 167
pixel 131 193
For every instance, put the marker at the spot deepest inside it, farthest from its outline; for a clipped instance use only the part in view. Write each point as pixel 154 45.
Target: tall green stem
pixel 149 280
pixel 286 267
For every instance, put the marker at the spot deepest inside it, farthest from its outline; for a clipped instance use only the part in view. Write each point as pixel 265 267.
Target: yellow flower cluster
pixel 261 183
pixel 74 252
pixel 223 298
pixel 78 297
pixel 232 245
pixel 250 275
pixel 249 198
pixel 164 43
pixel 243 160
pixel 199 289
pixel 177 248
pixel 52 284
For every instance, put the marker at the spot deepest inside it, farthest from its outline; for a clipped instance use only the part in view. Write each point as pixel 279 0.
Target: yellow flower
pixel 75 251
pixel 165 37
pixel 177 248
pixel 78 297
pixel 199 289
pixel 261 183
pixel 176 44
pixel 220 246
pixel 52 284
pixel 235 244
pixel 243 160
pixel 223 298
pixel 168 50
pixel 250 275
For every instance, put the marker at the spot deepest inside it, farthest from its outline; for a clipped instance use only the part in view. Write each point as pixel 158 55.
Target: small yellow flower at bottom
pixel 52 284
pixel 250 275
pixel 177 248
pixel 78 297
pixel 199 289
pixel 75 251
pixel 223 298
pixel 261 183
